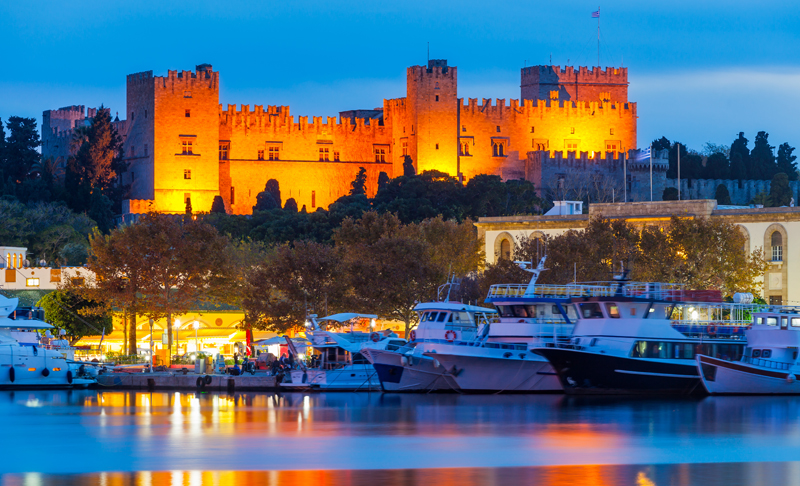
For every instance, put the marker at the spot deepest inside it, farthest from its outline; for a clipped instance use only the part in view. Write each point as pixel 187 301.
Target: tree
pixel 78 316
pixel 786 161
pixel 762 158
pixel 2 150
pixel 273 187
pixel 19 151
pixel 101 211
pixel 359 185
pixel 383 180
pixel 670 194
pixel 717 167
pixel 779 190
pixel 97 164
pixel 269 198
pixel 762 199
pixel 291 205
pixel 218 205
pixel 408 166
pixel 740 159
pixel 722 195
pixel 74 254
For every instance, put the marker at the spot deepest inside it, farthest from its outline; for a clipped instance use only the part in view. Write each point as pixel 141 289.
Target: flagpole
pixel 679 170
pixel 598 36
pixel 625 178
pixel 651 172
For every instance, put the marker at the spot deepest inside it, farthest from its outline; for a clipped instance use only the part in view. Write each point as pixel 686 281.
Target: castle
pixel 182 144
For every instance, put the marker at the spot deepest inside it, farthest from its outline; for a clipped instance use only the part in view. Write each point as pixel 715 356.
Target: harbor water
pixel 141 438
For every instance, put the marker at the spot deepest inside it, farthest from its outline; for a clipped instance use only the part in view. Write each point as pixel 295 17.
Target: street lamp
pixel 196 326
pixel 177 326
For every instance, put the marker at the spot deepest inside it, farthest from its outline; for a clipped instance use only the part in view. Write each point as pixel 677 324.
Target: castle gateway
pixel 182 144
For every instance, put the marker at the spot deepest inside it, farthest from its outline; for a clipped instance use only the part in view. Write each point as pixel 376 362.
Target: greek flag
pixel 596 15
pixel 643 155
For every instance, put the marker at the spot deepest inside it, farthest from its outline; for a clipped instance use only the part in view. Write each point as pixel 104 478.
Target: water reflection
pixel 406 436
pixel 729 474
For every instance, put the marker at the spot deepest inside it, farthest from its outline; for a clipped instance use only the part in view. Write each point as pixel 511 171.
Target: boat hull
pixel 722 377
pixel 584 373
pixel 492 374
pixel 349 378
pixel 400 373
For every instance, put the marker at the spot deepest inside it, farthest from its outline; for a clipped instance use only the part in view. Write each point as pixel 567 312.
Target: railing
pixel 658 291
pixel 712 330
pixel 766 363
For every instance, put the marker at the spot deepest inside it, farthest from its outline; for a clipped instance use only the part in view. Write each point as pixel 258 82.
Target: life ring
pixel 790 378
pixel 413 335
pixel 712 330
pixel 450 335
pixel 207 380
pixel 200 382
pixel 45 372
pixel 69 377
pixel 12 374
pixel 375 337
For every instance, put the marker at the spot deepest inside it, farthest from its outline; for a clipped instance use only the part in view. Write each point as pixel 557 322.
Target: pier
pixel 181 381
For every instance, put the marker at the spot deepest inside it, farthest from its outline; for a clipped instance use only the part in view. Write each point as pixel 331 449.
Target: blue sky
pixel 699 70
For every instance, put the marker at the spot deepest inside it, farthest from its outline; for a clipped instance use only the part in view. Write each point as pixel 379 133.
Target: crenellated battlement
pixel 549 107
pixel 436 68
pixel 568 74
pixel 568 83
pixel 142 78
pixel 277 119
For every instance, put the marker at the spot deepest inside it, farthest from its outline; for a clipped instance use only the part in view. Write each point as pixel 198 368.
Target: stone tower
pixel 173 140
pixel 582 84
pixel 432 106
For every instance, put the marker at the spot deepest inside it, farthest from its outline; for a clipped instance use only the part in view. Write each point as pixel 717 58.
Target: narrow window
pixel 187 174
pixel 233 196
pixel 463 128
pixel 777 246
pixel 188 113
pixel 437 146
pixel 498 128
pixel 404 147
pixel 437 97
pixel 313 199
pixel 260 155
pixel 572 130
pixel 611 131
pixel 133 117
pixel 532 129
pixel 336 156
pixel 145 113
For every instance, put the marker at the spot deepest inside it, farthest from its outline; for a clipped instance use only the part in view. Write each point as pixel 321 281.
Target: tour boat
pixel 769 365
pixel 642 338
pixel 340 366
pixel 407 369
pixel 500 358
pixel 26 362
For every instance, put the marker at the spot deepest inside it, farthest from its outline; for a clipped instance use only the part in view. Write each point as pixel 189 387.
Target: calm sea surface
pixel 122 438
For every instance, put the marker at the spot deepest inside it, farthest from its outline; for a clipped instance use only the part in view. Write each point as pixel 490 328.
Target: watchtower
pixel 432 104
pixel 570 84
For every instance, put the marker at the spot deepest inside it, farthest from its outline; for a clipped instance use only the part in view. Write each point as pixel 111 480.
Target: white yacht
pixel 500 359
pixel 769 365
pixel 642 338
pixel 340 364
pixel 26 362
pixel 407 369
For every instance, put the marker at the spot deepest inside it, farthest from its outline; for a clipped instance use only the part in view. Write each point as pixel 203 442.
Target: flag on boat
pixel 643 155
pixel 596 15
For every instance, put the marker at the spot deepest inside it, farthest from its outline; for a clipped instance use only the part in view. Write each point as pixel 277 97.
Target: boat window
pixel 756 353
pixel 450 319
pixel 759 321
pixel 441 317
pixel 670 350
pixel 772 321
pixel 613 310
pixel 505 311
pixel 767 353
pixel 432 316
pixel 555 310
pixel 784 322
pixel 359 358
pixel 591 310
pixel 795 321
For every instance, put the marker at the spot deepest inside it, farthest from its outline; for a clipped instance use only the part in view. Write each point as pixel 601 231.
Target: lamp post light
pixel 196 326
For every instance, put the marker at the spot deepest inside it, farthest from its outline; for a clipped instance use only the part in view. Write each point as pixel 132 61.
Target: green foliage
pixel 269 198
pixel 670 194
pixel 383 180
pixel 359 186
pixel 74 254
pixel 408 166
pixel 291 205
pixel 779 191
pixel 762 199
pixel 19 149
pixel 786 161
pixel 722 195
pixel 101 211
pixel 78 316
pixel 218 206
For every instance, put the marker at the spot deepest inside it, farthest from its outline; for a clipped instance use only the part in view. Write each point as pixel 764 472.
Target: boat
pixel 642 338
pixel 25 361
pixel 769 364
pixel 340 364
pixel 407 369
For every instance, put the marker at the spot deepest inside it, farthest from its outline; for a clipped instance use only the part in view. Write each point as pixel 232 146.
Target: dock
pixel 190 381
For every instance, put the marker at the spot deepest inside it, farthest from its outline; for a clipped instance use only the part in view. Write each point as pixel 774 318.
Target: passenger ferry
pixel 642 338
pixel 338 361
pixel 407 369
pixel 500 359
pixel 25 361
pixel 769 365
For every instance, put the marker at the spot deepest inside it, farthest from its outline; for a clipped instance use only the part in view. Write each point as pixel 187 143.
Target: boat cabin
pixel 452 321
pixel 774 340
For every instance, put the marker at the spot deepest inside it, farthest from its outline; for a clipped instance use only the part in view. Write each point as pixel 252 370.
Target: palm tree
pixel 48 169
pixel 79 136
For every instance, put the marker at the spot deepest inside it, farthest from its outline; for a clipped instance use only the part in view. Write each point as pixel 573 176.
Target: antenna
pixel 528 267
pixel 429 51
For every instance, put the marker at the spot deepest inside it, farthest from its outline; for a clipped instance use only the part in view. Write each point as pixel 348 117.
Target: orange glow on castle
pixel 181 143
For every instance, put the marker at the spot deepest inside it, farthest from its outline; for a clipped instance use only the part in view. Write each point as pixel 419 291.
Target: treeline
pixel 736 161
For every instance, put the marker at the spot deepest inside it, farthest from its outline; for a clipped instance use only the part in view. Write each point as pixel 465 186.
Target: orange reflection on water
pixel 579 436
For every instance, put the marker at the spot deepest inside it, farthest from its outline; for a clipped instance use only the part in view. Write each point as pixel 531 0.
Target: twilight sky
pixel 699 70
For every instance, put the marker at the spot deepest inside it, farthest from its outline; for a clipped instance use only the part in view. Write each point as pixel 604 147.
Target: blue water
pixel 105 437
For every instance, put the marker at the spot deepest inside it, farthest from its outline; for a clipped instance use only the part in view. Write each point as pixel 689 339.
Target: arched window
pixel 9 263
pixel 777 246
pixel 505 249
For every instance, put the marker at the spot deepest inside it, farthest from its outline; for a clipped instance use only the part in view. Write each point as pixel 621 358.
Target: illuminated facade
pixel 183 144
